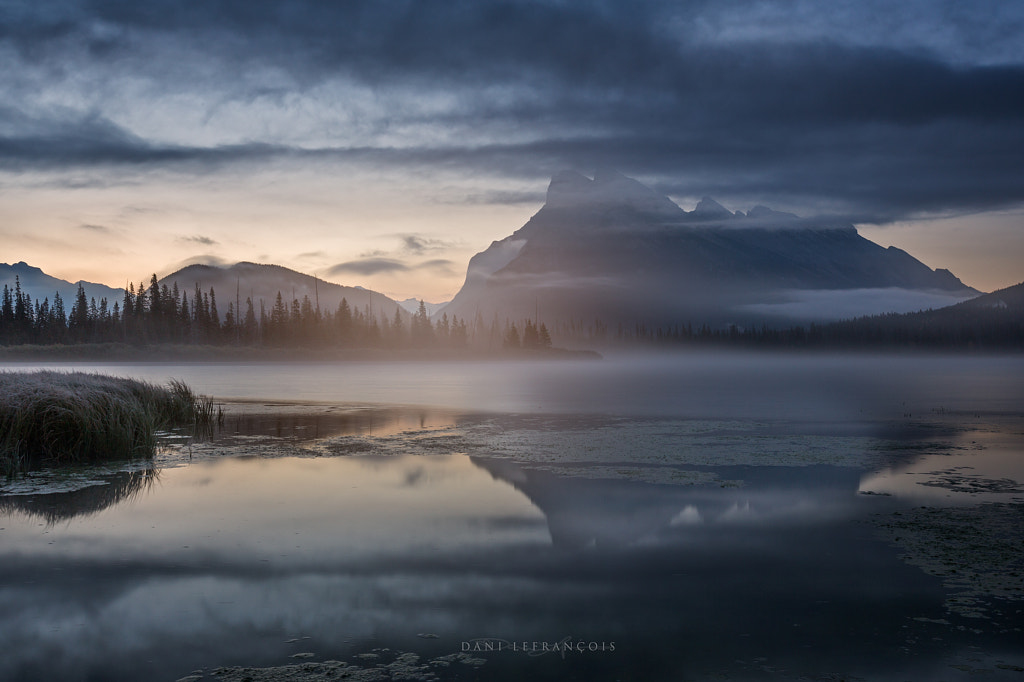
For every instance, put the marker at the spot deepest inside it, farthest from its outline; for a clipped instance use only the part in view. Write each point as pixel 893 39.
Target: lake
pixel 679 517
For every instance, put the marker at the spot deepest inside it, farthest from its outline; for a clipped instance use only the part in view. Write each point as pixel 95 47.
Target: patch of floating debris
pixel 975 550
pixel 381 665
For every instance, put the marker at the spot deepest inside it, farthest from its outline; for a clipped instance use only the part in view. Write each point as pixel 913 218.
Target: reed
pixel 51 418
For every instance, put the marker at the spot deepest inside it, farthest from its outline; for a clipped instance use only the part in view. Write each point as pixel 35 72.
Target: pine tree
pixel 155 302
pixel 276 329
pixel 128 304
pixel 183 320
pixel 443 330
pixel 230 327
pixel 7 312
pixel 141 302
pixel 78 322
pixel 213 321
pixel 250 330
pixel 459 336
pixel 58 320
pixel 530 337
pixel 308 322
pixel 543 336
pixel 343 321
pixel 421 331
pixel 20 308
pixel 7 317
pixel 397 328
pixel 40 328
pixel 511 337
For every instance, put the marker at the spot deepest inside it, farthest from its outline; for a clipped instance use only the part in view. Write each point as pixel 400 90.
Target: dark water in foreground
pixel 705 517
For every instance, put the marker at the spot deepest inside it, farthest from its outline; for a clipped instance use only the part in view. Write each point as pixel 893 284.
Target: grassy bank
pixel 60 418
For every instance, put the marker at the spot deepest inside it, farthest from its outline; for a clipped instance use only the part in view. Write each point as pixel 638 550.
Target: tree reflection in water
pixel 123 486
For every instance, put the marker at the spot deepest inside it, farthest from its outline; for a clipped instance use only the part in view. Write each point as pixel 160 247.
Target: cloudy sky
pixel 382 143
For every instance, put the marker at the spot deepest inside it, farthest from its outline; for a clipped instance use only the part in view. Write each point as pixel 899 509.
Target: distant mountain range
pixel 413 306
pixel 613 249
pixel 1010 299
pixel 249 280
pixel 262 283
pixel 40 285
pixel 992 321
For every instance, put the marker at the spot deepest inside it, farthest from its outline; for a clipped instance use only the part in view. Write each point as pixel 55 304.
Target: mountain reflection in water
pixel 223 562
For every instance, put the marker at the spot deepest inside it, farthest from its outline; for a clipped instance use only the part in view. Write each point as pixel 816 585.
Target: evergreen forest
pixel 158 315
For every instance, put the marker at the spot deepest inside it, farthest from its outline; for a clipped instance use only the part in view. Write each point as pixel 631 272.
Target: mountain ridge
pixel 613 249
pixel 42 286
pixel 262 281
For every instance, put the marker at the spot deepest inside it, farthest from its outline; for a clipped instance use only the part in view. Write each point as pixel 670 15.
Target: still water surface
pixel 701 384
pixel 683 518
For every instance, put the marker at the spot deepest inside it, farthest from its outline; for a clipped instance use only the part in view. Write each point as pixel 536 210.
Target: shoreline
pixel 120 352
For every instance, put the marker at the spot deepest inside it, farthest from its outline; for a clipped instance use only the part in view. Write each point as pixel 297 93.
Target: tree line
pixel 158 314
pixel 945 329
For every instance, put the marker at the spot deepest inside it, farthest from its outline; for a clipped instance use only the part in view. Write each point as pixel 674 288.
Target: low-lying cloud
pixel 198 239
pixel 368 266
pixel 836 304
pixel 419 244
pixel 379 266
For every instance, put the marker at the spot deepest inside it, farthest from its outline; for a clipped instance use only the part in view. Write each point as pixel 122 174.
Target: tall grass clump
pixel 58 417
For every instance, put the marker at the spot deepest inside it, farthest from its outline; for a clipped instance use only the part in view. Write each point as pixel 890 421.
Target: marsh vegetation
pixel 50 417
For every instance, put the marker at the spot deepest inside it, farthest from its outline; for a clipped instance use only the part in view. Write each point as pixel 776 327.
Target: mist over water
pixel 700 384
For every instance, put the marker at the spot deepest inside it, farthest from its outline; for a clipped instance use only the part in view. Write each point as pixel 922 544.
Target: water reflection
pixel 588 513
pixel 979 460
pixel 307 422
pixel 227 560
pixel 120 487
pixel 536 535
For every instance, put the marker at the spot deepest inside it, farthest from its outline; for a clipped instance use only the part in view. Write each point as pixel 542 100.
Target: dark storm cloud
pixel 837 119
pixel 66 140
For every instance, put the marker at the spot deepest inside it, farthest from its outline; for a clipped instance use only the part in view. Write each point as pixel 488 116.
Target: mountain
pixel 40 286
pixel 610 248
pixel 413 306
pixel 619 510
pixel 991 322
pixel 1010 299
pixel 262 283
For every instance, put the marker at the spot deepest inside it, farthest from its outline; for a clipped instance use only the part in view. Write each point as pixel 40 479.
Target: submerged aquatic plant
pixel 70 417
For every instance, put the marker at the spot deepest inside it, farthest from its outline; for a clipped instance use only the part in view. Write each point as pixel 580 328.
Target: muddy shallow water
pixel 705 519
